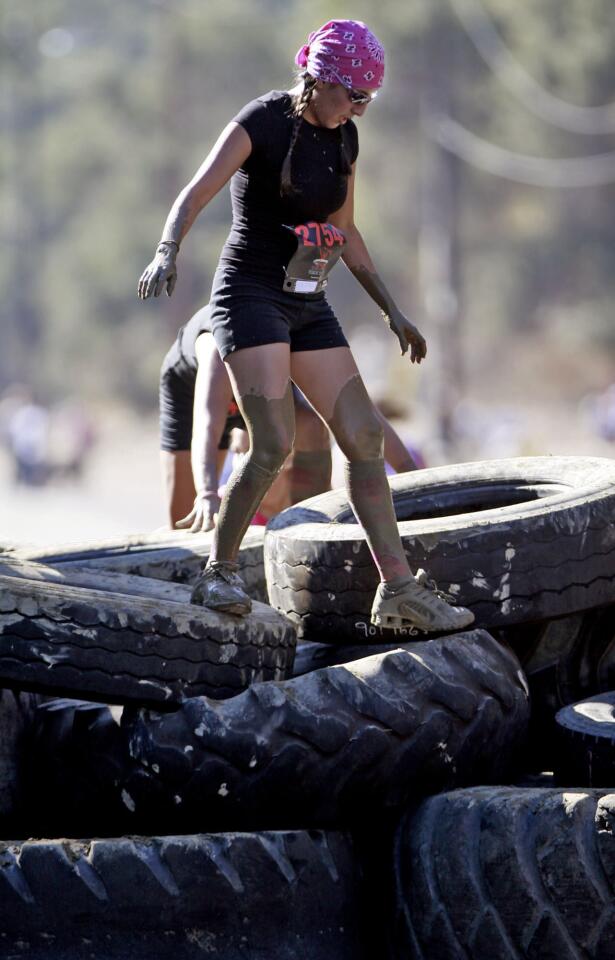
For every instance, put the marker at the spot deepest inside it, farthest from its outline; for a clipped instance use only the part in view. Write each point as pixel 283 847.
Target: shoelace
pixel 224 568
pixel 424 580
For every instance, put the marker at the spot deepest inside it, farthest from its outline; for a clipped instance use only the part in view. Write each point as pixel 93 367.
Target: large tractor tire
pixel 314 656
pixel 507 873
pixel 335 745
pixel 279 895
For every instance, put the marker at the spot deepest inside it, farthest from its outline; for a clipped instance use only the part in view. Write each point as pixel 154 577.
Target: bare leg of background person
pixel 309 466
pixel 178 484
pixel 309 474
pixel 395 452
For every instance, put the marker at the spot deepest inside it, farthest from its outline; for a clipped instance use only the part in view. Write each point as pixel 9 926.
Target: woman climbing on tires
pixel 292 158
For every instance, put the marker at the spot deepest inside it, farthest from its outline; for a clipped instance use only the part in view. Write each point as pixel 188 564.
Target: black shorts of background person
pixel 200 422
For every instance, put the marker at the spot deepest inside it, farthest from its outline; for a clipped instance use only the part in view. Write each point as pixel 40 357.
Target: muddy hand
pixel 408 335
pixel 161 272
pixel 203 515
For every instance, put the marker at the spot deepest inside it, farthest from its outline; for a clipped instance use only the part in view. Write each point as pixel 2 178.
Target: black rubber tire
pixel 536 545
pixel 75 759
pixel 17 712
pixel 123 647
pixel 564 660
pixel 174 555
pixel 585 742
pixel 109 581
pixel 506 873
pixel 315 656
pixel 335 746
pixel 271 895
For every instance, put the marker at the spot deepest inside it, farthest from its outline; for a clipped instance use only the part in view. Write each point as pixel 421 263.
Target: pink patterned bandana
pixel 346 52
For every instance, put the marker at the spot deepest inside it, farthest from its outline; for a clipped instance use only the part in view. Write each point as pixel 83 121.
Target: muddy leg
pixel 262 387
pixel 331 382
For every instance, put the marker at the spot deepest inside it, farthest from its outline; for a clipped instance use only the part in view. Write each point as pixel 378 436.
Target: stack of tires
pixel 363 807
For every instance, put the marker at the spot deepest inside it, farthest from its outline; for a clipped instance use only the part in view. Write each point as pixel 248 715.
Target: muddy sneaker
pixel 412 604
pixel 221 588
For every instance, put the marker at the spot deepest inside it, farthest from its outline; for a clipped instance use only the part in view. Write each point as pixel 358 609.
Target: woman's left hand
pixel 408 335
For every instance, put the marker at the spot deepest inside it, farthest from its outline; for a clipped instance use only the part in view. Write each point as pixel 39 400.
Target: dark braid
pixel 300 104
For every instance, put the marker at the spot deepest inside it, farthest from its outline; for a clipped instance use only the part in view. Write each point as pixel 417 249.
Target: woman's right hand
pixel 160 272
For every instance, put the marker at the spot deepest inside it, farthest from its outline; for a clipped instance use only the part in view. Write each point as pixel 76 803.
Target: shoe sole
pixel 239 609
pixel 391 622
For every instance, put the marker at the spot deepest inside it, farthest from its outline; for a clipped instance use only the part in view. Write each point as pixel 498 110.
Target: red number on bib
pixel 314 229
pixel 327 232
pixel 303 231
pixel 315 234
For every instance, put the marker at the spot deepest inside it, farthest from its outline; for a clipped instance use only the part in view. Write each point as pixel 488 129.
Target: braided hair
pixel 299 104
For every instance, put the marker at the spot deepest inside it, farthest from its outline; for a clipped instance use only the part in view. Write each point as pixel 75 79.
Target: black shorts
pixel 246 313
pixel 176 396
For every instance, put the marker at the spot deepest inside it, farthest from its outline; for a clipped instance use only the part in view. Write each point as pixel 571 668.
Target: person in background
pixel 27 434
pixel 200 422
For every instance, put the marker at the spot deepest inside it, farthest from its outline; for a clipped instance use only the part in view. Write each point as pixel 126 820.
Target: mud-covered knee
pixel 355 424
pixel 362 441
pixel 271 424
pixel 271 450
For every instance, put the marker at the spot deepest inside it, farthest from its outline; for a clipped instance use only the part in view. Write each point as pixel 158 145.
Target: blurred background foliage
pixel 106 109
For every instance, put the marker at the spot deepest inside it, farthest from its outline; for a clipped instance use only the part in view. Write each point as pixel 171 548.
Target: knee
pixel 271 424
pixel 363 440
pixel 271 448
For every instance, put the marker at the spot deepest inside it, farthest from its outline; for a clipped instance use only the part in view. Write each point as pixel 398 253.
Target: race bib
pixel 319 247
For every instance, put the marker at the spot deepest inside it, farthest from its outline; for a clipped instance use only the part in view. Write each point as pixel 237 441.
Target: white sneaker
pixel 418 603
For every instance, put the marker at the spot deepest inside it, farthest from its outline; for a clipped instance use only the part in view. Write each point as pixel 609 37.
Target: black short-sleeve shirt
pixel 259 245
